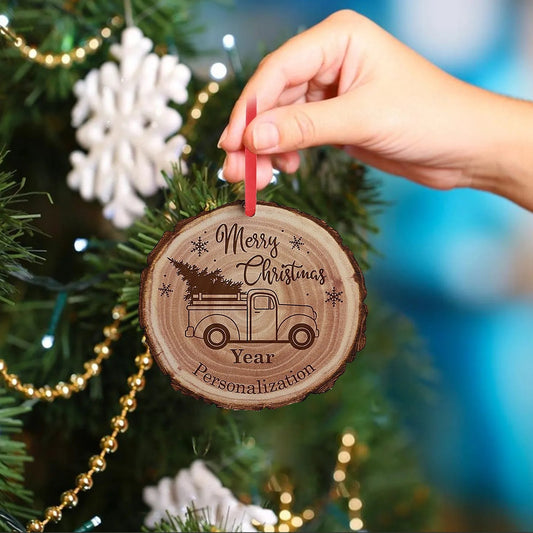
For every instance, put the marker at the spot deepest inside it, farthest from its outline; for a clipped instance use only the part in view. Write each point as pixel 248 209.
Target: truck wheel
pixel 301 336
pixel 216 336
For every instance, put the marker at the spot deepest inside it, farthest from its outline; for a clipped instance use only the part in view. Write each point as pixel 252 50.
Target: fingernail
pixel 222 137
pixel 265 136
pixel 224 169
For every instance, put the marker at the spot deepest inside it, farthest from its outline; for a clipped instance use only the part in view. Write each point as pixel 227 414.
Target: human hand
pixel 347 82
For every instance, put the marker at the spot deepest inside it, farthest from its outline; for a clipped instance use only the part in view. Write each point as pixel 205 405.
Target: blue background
pixel 458 263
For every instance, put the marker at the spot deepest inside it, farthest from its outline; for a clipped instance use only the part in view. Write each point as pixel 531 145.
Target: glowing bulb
pixel 339 476
pixel 344 457
pixel 297 522
pixel 356 524
pixel 95 521
pixel 308 514
pixel 285 515
pixel 355 504
pixel 348 439
pixel 80 245
pixel 218 71
pixel 285 497
pixel 4 21
pixel 47 341
pixel 228 41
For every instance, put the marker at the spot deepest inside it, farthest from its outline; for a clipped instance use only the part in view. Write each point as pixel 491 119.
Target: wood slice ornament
pixel 253 312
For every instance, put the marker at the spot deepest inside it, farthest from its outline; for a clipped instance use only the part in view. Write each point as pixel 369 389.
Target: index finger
pixel 301 59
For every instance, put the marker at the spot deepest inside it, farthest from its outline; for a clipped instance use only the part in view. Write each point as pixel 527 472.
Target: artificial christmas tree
pixel 74 322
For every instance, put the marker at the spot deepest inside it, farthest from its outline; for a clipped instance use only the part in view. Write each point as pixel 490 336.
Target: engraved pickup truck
pixel 253 316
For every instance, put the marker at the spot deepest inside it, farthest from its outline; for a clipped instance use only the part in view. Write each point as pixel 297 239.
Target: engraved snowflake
pixel 297 243
pixel 199 246
pixel 333 296
pixel 165 289
pixel 127 128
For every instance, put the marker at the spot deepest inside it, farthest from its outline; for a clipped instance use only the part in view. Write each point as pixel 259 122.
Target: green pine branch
pixel 14 224
pixel 168 429
pixel 195 521
pixel 185 197
pixel 349 204
pixel 331 186
pixel 57 26
pixel 14 497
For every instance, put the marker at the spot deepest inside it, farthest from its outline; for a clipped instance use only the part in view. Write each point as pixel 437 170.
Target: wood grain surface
pixel 252 312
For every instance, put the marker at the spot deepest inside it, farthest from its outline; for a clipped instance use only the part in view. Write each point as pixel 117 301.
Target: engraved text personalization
pixel 253 312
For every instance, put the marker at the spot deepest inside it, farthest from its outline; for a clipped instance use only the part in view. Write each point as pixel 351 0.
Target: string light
pixel 288 520
pixel 228 42
pixel 196 112
pixel 348 452
pixel 63 59
pixel 95 521
pixel 218 71
pixel 47 341
pixel 80 244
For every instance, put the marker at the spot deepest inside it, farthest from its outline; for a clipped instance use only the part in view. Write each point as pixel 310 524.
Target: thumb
pixel 293 127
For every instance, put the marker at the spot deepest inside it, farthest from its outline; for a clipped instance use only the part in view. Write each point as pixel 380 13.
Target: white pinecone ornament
pixel 125 124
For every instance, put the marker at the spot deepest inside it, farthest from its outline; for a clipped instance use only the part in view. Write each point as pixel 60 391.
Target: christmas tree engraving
pixel 204 281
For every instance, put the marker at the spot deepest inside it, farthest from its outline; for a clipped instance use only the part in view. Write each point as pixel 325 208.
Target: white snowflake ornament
pixel 198 489
pixel 126 126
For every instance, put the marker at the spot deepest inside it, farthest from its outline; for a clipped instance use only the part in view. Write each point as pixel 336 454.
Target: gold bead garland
pixel 108 444
pixel 79 54
pixel 63 59
pixel 78 382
